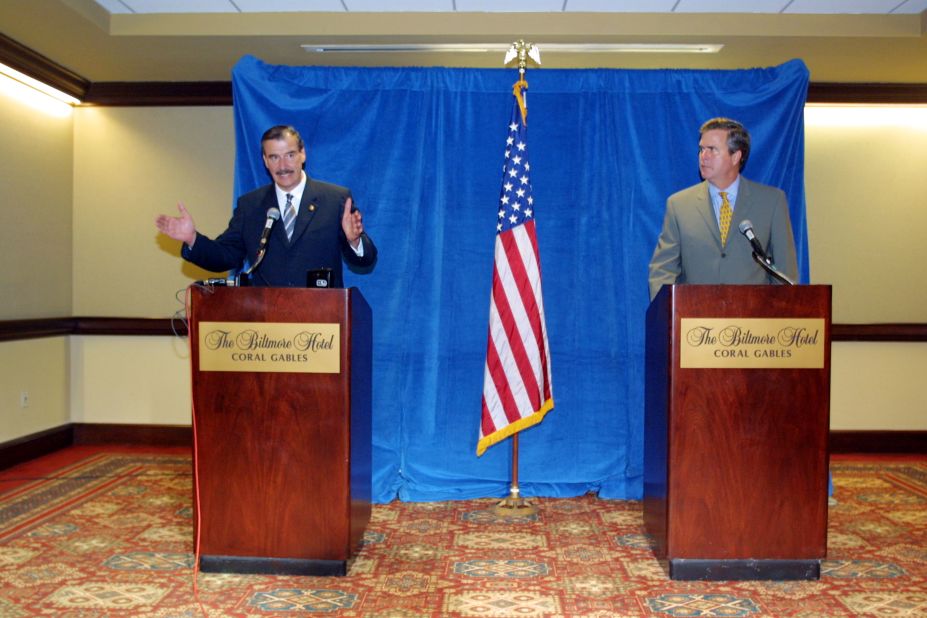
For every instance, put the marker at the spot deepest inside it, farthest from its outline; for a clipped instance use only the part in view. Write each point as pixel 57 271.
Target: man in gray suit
pixel 700 241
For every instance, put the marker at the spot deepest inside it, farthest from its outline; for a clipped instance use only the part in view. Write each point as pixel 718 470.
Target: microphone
pixel 746 228
pixel 759 255
pixel 272 215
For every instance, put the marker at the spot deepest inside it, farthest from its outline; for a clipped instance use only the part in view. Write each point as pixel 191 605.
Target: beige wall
pixel 35 281
pixel 130 164
pixel 39 368
pixel 36 177
pixel 865 176
pixel 135 380
pixel 865 184
pixel 878 386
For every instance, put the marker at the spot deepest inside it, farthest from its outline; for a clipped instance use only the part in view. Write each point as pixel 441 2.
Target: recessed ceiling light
pixel 639 48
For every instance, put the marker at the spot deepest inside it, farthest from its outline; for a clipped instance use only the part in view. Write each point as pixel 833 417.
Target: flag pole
pixel 514 505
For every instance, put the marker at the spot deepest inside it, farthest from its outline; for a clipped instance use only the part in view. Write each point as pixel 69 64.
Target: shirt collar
pixel 731 191
pixel 296 192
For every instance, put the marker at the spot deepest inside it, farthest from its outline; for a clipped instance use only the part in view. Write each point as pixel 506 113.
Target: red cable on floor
pixel 196 476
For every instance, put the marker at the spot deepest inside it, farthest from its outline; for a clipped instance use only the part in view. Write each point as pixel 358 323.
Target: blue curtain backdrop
pixel 422 149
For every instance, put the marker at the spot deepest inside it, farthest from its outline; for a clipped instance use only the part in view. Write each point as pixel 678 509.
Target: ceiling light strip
pixel 35 84
pixel 639 48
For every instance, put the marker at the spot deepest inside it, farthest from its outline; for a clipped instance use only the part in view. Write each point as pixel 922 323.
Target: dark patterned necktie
pixel 289 216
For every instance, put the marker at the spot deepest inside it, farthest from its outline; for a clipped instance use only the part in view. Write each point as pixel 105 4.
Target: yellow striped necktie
pixel 724 218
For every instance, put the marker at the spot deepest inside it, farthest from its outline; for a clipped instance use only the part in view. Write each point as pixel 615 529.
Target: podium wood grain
pixel 282 460
pixel 735 459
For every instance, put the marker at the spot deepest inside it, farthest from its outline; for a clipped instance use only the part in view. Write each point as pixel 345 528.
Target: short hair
pixel 281 131
pixel 737 136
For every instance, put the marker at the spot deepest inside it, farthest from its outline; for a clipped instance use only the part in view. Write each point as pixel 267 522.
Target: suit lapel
pixel 707 212
pixel 743 205
pixel 308 206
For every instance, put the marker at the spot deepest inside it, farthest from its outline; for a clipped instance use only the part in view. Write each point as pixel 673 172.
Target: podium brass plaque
pixel 751 343
pixel 269 347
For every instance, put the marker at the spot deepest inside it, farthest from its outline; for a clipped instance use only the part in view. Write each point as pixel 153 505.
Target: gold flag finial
pixel 523 51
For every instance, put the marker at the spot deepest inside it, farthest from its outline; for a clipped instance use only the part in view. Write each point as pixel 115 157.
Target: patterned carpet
pixel 111 535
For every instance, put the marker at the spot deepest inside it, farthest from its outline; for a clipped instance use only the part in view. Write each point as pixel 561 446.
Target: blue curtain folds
pixel 422 151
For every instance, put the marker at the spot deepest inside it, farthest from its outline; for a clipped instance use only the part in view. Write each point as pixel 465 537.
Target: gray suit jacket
pixel 689 248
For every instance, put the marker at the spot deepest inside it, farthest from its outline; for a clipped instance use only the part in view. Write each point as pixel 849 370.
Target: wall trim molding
pixel 45 442
pixel 25 60
pixel 898 332
pixel 167 94
pixel 11 330
pixel 160 94
pixel 866 93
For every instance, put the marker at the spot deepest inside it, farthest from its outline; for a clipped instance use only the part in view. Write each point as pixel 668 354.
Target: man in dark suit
pixel 691 249
pixel 318 225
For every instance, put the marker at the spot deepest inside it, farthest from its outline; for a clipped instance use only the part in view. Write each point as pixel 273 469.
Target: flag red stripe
pixel 529 300
pixel 503 388
pixel 486 426
pixel 513 331
pixel 541 335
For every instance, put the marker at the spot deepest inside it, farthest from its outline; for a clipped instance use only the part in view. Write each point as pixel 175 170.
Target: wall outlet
pixel 24 399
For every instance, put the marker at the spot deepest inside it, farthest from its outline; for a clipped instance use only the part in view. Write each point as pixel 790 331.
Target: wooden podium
pixel 736 427
pixel 282 428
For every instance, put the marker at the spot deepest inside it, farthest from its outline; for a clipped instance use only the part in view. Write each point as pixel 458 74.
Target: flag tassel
pixel 518 89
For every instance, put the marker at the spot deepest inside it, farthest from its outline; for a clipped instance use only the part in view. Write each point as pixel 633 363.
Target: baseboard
pixel 885 442
pixel 42 443
pixel 132 435
pixel 35 445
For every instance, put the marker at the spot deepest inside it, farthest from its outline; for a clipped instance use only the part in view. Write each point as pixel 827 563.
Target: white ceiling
pixel 805 7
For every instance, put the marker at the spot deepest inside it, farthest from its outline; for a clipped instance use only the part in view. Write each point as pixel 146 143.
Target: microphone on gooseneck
pixel 746 228
pixel 759 254
pixel 272 215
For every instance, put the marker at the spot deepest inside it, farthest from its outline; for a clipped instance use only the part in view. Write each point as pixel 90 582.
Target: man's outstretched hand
pixel 179 228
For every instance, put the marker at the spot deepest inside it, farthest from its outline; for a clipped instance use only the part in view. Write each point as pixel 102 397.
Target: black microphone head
pixel 744 226
pixel 273 213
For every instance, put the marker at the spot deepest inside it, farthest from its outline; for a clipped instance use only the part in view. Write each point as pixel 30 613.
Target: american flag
pixel 516 380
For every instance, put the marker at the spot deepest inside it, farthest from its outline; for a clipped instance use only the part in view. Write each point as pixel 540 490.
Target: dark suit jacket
pixel 689 248
pixel 318 240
